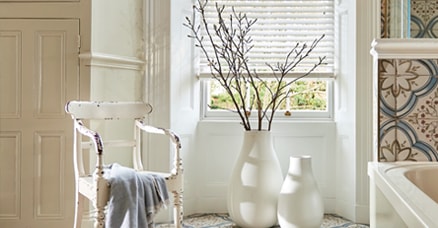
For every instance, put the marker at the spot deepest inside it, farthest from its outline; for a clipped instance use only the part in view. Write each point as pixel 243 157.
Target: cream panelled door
pixel 38 74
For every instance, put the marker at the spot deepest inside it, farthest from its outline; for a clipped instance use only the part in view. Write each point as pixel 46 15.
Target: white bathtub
pixel 403 194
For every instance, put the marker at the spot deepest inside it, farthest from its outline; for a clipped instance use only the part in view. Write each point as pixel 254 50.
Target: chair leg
pixel 79 211
pixel 101 200
pixel 100 218
pixel 178 212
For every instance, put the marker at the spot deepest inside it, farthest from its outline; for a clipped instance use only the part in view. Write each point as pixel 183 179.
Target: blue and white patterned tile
pixel 401 82
pixel 408 95
pixel 216 220
pixel 413 81
pixel 424 17
pixel 410 146
pixel 395 143
pixel 424 121
pixel 406 131
pixel 387 80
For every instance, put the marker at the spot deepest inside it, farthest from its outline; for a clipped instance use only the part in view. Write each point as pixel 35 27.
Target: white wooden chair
pixel 95 187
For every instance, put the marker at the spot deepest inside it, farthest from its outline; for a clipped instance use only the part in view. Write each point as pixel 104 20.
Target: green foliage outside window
pixel 305 95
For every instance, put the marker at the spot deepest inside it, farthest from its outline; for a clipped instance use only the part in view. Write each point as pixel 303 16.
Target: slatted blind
pixel 280 25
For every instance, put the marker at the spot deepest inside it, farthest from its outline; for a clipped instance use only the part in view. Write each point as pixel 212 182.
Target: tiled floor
pixel 223 221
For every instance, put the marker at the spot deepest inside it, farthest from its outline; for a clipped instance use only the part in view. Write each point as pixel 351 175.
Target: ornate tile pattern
pixel 223 221
pixel 408 109
pixel 408 94
pixel 424 18
pixel 384 19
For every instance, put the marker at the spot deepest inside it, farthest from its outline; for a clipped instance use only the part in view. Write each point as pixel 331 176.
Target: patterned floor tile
pixel 223 221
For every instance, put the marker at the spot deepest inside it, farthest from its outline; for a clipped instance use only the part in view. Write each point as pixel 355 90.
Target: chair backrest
pixel 107 110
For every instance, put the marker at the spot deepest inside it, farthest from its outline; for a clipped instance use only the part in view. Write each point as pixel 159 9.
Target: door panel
pixel 38 75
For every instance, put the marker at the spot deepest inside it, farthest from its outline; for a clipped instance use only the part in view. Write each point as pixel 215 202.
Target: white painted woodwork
pixel 218 145
pixel 425 48
pixel 39 74
pixel 173 90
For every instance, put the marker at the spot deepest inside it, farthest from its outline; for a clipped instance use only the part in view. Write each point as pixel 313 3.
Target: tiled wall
pixel 424 19
pixel 408 110
pixel 408 93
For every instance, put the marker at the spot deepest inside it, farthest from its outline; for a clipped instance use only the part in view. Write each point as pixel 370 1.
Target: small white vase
pixel 300 203
pixel 255 182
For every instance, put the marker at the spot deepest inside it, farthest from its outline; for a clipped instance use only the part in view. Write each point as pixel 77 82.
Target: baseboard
pixel 362 214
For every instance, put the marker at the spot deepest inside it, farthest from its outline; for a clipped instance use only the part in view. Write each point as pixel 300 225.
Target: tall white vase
pixel 255 182
pixel 300 203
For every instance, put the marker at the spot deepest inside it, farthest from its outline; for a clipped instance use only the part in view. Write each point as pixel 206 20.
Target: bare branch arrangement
pixel 229 63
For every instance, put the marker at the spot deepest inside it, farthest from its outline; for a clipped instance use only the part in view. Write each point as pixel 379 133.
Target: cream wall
pixel 117 53
pixel 114 61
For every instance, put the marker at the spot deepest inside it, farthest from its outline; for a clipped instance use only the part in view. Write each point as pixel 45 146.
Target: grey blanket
pixel 135 197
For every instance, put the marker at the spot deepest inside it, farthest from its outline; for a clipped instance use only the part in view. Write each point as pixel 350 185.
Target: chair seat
pixel 87 185
pixel 165 175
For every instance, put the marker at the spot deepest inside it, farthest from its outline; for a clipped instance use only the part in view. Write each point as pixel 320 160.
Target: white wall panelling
pixel 367 29
pixel 171 88
pixel 218 145
pixel 116 55
pixel 358 27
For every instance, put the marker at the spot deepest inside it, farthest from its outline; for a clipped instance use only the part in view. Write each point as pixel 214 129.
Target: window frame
pixel 329 77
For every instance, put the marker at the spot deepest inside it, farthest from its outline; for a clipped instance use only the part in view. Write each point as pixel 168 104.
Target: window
pixel 280 25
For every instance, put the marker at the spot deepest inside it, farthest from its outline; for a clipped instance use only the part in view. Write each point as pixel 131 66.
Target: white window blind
pixel 280 25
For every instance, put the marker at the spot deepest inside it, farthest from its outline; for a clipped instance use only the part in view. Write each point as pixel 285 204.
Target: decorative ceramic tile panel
pixel 408 110
pixel 424 18
pixel 384 19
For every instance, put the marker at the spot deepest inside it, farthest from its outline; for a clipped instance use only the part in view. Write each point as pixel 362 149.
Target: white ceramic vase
pixel 300 203
pixel 255 182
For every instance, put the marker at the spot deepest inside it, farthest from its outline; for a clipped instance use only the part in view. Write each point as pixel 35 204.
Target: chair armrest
pixel 95 138
pixel 156 130
pixel 178 168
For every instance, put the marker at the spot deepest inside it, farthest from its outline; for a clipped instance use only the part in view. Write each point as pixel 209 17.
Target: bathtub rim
pixel 411 204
